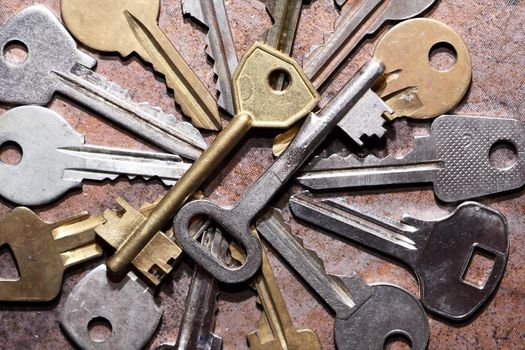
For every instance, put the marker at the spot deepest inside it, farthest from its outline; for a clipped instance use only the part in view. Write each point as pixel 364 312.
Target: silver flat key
pixel 219 45
pixel 55 65
pixel 438 251
pixel 455 158
pixel 128 309
pixel 55 158
pixel 365 315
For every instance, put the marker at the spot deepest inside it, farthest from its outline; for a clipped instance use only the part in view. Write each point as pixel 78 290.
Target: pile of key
pixel 268 89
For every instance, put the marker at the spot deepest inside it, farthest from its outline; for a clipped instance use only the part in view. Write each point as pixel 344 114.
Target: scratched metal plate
pixel 494 32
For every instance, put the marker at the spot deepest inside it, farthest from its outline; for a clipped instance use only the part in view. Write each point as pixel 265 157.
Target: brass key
pixel 256 105
pixel 127 26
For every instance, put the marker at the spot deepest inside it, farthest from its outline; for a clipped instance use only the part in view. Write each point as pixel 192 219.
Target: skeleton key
pixel 55 65
pixel 438 251
pixel 127 307
pixel 321 62
pixel 257 105
pixel 51 148
pixel 127 26
pixel 237 220
pixel 219 44
pixel 365 315
pixel 455 158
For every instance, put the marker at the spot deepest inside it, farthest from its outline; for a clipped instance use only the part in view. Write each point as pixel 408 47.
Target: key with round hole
pixel 455 158
pixel 128 26
pixel 366 316
pixel 237 219
pixel 55 65
pixel 256 105
pixel 51 148
pixel 438 251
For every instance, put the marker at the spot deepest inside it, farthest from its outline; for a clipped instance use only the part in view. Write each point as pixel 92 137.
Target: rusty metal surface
pixel 493 30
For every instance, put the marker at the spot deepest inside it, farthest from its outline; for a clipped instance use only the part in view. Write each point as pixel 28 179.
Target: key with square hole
pixel 237 219
pixel 456 158
pixel 130 26
pixel 55 65
pixel 366 316
pixel 51 148
pixel 438 251
pixel 257 105
pixel 127 309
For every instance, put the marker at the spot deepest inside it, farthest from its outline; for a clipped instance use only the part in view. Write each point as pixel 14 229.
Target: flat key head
pixel 102 25
pixel 413 87
pixel 50 48
pixel 401 10
pixel 254 95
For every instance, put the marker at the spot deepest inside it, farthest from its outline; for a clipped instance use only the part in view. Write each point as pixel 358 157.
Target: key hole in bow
pixel 10 153
pixel 503 155
pixel 397 341
pixel 479 268
pixel 8 265
pixel 279 80
pixel 99 329
pixel 15 52
pixel 443 56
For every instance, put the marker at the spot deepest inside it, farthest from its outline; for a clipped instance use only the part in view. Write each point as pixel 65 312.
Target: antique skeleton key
pixel 365 315
pixel 55 65
pixel 51 148
pixel 237 219
pixel 219 45
pixel 438 251
pixel 127 26
pixel 257 105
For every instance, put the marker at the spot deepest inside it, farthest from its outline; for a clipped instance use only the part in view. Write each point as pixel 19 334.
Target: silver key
pixel 455 158
pixel 128 308
pixel 55 158
pixel 219 45
pixel 366 315
pixel 55 65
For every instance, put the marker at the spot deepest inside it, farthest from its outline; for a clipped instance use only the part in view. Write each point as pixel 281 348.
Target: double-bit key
pixel 438 251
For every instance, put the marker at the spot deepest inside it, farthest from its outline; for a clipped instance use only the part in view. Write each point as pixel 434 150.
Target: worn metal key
pixel 127 26
pixel 55 65
pixel 456 158
pixel 51 148
pixel 438 251
pixel 257 105
pixel 366 315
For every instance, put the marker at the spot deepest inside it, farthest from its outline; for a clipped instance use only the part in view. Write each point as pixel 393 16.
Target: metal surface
pixel 366 316
pixel 49 146
pixel 438 251
pixel 237 219
pixel 128 306
pixel 55 65
pixel 455 158
pixel 127 26
pixel 257 105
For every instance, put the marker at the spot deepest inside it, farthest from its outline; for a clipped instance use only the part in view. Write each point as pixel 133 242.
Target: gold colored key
pixel 257 104
pixel 127 26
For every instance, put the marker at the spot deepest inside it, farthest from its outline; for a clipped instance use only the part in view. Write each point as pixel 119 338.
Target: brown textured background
pixel 494 32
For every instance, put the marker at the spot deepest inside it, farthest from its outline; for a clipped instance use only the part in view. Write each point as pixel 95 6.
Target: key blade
pixel 400 11
pixel 285 17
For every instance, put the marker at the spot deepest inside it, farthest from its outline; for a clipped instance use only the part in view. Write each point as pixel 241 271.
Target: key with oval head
pixel 237 219
pixel 366 316
pixel 55 65
pixel 257 105
pixel 128 308
pixel 128 26
pixel 438 251
pixel 50 148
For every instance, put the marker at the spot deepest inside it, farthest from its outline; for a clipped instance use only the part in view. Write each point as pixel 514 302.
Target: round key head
pixel 254 94
pixel 420 82
pixel 103 25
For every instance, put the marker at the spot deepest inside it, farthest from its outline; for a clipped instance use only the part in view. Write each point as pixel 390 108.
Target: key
pixel 455 158
pixel 438 251
pixel 219 45
pixel 237 219
pixel 128 26
pixel 128 308
pixel 55 65
pixel 58 154
pixel 350 29
pixel 257 105
pixel 365 315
